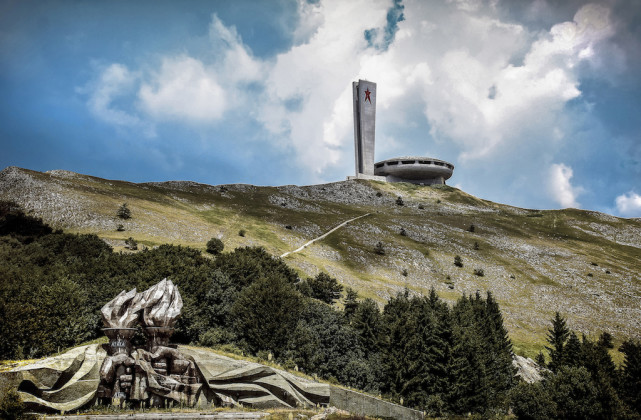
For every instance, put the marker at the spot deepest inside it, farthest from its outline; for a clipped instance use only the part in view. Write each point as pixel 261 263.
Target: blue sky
pixel 536 103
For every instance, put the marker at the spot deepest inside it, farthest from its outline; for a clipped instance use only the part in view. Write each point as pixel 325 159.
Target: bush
pixel 476 246
pixel 574 393
pixel 215 246
pixel 421 207
pixel 399 201
pixel 241 233
pixel 479 272
pixel 403 232
pixel 404 272
pixel 120 228
pixel 531 402
pixel 379 194
pixel 458 261
pixel 472 228
pixel 216 337
pixel 378 249
pixel 11 405
pixel 124 212
pixel 324 288
pixel 131 243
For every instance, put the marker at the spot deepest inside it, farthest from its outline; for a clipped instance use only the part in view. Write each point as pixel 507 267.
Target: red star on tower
pixel 367 98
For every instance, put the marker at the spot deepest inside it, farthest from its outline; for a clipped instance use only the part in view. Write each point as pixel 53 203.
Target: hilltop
pixel 584 264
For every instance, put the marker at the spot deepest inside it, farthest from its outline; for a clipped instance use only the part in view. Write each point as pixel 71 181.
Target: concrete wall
pixel 365 405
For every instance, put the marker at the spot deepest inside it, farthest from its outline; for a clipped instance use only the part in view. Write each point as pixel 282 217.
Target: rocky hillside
pixel 586 265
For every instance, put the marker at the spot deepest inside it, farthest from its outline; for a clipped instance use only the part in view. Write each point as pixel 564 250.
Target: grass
pixel 548 252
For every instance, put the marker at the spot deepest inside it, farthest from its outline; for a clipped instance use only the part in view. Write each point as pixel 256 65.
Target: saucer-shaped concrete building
pixel 414 169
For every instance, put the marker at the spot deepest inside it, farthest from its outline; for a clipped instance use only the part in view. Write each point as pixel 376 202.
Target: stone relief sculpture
pixel 153 375
pixel 158 374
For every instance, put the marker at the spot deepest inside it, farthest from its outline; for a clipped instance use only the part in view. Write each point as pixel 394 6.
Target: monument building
pixel 415 169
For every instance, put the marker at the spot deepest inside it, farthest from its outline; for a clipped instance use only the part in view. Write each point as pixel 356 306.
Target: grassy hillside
pixel 584 264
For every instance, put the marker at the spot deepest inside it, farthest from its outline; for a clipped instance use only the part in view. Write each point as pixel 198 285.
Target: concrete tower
pixel 364 93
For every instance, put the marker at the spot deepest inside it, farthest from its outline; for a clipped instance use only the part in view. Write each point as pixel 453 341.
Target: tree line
pixel 416 350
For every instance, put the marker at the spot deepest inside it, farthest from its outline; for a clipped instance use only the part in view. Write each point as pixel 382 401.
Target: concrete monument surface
pixel 414 169
pixel 159 374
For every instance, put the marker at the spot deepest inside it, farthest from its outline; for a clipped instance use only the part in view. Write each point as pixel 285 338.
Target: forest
pixel 417 350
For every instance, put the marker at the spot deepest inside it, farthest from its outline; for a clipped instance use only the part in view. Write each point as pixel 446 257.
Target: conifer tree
pixel 467 375
pixel 630 385
pixel 499 354
pixel 557 336
pixel 367 323
pixel 572 351
pixel 351 303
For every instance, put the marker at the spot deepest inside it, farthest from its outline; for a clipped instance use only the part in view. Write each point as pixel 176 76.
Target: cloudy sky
pixel 536 103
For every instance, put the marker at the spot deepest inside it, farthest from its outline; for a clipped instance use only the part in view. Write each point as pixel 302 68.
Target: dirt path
pixel 323 235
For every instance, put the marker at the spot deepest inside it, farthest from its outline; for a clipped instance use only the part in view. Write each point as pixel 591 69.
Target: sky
pixel 537 103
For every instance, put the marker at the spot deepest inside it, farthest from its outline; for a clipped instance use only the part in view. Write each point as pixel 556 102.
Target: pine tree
pixel 351 303
pixel 467 375
pixel 557 336
pixel 630 387
pixel 367 323
pixel 124 212
pixel 499 354
pixel 572 351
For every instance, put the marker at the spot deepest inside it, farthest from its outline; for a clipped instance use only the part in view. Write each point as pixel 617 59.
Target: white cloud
pixel 560 187
pixel 187 89
pixel 184 89
pixel 113 82
pixel 629 204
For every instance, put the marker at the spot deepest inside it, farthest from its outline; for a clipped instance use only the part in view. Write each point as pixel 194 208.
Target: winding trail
pixel 323 235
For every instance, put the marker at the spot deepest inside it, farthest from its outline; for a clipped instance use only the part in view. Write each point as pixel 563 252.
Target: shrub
pixel 11 405
pixel 531 402
pixel 241 233
pixel 403 233
pixel 476 246
pixel 131 243
pixel 124 212
pixel 323 287
pixel 421 207
pixel 479 272
pixel 215 246
pixel 472 228
pixel 378 249
pixel 404 272
pixel 438 201
pixel 458 261
pixel 288 227
pixel 399 201
pixel 120 228
pixel 216 337
pixel 379 194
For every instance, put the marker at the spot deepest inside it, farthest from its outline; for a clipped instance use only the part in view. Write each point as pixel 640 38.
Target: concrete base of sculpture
pixel 368 177
pixel 72 380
